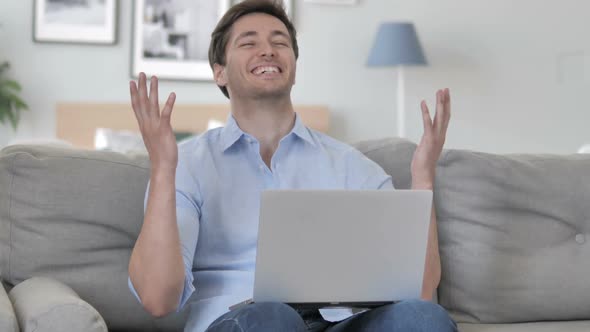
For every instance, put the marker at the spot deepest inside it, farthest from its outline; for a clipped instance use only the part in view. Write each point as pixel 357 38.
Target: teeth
pixel 266 69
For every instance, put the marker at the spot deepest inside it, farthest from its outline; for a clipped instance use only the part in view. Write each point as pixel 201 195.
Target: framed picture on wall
pixel 75 21
pixel 171 37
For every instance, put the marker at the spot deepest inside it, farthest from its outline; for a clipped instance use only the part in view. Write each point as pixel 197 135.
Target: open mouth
pixel 266 70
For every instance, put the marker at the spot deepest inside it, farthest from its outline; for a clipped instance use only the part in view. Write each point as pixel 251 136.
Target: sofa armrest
pixel 8 320
pixel 47 305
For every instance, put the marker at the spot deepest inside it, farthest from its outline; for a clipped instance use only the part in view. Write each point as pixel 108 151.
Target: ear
pixel 219 74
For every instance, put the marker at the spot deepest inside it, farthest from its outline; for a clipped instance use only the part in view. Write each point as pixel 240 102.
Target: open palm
pixel 431 144
pixel 155 126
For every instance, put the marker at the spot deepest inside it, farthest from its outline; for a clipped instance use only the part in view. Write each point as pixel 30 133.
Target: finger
pixel 439 114
pixel 426 120
pixel 135 100
pixel 447 108
pixel 167 111
pixel 436 96
pixel 142 91
pixel 155 106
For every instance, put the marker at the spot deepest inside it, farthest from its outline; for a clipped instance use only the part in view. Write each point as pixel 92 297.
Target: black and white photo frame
pixel 171 37
pixel 75 21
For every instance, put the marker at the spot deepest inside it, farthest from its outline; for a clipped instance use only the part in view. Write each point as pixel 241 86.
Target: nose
pixel 267 50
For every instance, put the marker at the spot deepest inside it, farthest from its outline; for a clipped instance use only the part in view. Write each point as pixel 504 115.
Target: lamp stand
pixel 401 111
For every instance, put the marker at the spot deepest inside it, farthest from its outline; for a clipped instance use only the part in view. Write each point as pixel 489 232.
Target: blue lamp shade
pixel 396 44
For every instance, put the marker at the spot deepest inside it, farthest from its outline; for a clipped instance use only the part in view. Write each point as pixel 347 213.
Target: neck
pixel 268 120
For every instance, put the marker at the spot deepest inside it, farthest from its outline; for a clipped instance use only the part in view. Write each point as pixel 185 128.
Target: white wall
pixel 518 70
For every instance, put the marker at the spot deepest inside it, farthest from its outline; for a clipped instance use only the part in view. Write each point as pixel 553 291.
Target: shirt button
pixel 261 167
pixel 580 238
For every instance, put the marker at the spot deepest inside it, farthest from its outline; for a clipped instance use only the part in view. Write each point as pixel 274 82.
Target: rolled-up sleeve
pixel 188 215
pixel 365 174
pixel 188 229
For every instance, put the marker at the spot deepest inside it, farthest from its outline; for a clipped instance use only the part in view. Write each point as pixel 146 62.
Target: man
pixel 200 226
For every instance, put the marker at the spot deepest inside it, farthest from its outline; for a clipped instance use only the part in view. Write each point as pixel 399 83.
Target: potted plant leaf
pixel 10 103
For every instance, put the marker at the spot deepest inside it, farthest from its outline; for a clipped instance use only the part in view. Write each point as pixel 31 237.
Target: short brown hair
pixel 220 36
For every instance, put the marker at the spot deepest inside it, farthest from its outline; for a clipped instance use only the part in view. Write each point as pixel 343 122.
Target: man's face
pixel 260 62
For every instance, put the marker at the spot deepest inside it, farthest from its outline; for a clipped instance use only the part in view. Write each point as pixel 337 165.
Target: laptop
pixel 341 248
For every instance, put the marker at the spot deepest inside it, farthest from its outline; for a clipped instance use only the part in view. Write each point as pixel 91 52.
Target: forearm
pixel 423 168
pixel 432 267
pixel 156 267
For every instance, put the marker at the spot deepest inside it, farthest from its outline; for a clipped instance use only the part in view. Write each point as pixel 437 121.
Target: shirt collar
pixel 231 133
pixel 302 131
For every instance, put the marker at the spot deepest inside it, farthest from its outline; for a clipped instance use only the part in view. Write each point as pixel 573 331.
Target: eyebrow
pixel 254 33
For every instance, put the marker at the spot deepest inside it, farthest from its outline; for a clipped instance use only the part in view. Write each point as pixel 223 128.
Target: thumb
pixel 167 111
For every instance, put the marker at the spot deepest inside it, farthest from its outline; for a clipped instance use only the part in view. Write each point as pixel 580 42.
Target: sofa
pixel 513 230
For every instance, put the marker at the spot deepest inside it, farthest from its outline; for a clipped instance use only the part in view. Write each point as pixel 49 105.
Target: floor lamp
pixel 397 45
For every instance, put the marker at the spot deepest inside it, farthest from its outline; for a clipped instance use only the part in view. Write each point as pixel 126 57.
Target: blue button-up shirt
pixel 219 180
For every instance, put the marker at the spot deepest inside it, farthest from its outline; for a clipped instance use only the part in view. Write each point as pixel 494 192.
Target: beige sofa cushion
pixel 514 236
pixel 514 231
pixel 574 326
pixel 8 322
pixel 46 305
pixel 74 216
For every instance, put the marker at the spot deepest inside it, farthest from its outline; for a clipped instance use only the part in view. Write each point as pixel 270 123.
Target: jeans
pixel 412 315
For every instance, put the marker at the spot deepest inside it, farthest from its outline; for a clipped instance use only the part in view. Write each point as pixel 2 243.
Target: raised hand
pixel 432 142
pixel 155 126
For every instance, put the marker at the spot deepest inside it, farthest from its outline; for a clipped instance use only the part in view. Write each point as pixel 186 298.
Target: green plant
pixel 10 103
